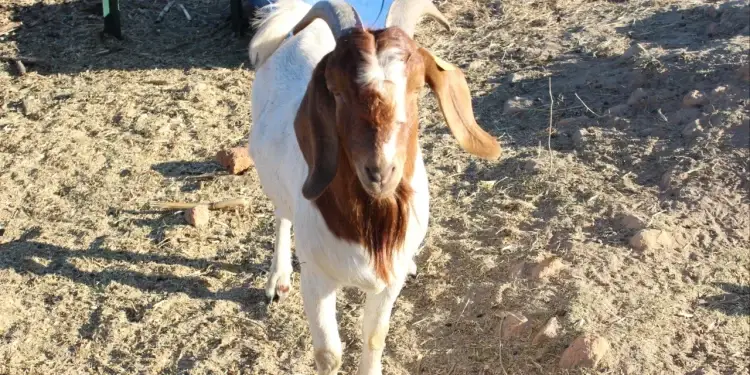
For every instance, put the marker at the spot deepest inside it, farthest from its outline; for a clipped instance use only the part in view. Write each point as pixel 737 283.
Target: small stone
pixel 652 239
pixel 31 108
pixel 579 137
pixel 547 268
pixel 634 51
pixel 619 110
pixel 236 160
pixel 585 352
pixel 638 97
pixel 549 331
pixel 692 129
pixel 517 105
pixel 516 77
pixel 514 325
pixel 630 221
pixel 197 216
pixel 712 29
pixel 694 98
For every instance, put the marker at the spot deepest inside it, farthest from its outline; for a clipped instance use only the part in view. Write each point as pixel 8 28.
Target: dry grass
pixel 93 281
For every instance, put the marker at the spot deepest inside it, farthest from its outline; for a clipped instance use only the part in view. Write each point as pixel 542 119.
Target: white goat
pixel 335 144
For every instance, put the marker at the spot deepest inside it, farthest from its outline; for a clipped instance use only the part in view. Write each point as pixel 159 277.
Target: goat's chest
pixel 348 262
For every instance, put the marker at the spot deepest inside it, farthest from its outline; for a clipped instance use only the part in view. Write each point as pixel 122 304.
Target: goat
pixel 335 143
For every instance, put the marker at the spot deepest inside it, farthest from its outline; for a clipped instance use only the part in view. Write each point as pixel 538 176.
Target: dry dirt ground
pixel 93 281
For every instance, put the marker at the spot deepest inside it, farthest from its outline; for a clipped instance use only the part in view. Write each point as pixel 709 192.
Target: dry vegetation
pixel 630 225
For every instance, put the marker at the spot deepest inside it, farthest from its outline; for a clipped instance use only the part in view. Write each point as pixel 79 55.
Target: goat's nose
pixel 379 174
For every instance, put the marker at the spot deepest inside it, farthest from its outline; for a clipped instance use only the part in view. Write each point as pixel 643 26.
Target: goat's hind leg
pixel 280 276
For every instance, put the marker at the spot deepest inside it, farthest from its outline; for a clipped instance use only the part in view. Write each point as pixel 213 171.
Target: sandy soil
pixel 638 194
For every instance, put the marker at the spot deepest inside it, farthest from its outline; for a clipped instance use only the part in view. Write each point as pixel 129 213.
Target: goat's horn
pixel 406 14
pixel 339 16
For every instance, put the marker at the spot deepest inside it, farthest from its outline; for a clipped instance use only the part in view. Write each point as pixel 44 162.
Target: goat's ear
pixel 315 128
pixel 452 91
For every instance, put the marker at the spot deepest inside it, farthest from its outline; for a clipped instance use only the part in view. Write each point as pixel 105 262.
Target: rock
pixel 549 331
pixel 712 29
pixel 630 221
pixel 652 239
pixel 638 97
pixel 634 51
pixel 694 98
pixel 547 268
pixel 517 105
pixel 31 108
pixel 692 129
pixel 574 121
pixel 514 326
pixel 579 137
pixel 619 110
pixel 585 352
pixel 197 216
pixel 236 160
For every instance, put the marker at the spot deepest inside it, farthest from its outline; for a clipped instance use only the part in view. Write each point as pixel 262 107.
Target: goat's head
pixel 361 108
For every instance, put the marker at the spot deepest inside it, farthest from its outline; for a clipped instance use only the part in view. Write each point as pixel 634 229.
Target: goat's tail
pixel 273 23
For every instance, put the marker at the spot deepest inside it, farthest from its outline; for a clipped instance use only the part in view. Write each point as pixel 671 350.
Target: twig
pixel 587 107
pixel 221 205
pixel 165 10
pixel 20 68
pixel 187 15
pixel 9 29
pixel 549 134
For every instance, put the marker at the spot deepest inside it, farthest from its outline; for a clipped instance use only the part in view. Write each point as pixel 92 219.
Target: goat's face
pixel 375 77
pixel 361 109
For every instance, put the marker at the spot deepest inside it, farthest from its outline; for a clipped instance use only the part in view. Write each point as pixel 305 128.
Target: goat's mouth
pixel 379 190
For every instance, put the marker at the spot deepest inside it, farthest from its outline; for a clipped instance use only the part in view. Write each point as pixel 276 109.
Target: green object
pixel 105 7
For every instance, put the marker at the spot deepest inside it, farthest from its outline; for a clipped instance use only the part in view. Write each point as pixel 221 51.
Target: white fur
pixel 327 263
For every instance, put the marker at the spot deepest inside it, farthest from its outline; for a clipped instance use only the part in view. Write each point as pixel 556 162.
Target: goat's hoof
pixel 278 286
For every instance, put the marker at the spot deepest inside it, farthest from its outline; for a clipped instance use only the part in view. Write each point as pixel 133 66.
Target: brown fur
pixel 339 122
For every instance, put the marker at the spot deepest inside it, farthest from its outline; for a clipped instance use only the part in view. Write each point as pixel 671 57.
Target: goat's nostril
pixel 373 173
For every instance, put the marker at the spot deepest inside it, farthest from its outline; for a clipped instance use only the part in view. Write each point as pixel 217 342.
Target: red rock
pixel 236 160
pixel 585 352
pixel 514 325
pixel 197 216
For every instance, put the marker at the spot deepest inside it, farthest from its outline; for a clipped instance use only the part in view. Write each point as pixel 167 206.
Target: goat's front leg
pixel 375 326
pixel 280 277
pixel 319 302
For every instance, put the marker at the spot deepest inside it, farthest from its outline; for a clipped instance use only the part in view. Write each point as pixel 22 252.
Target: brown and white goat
pixel 335 143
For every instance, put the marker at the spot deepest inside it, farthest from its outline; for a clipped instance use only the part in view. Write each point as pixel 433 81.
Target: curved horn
pixel 339 16
pixel 406 14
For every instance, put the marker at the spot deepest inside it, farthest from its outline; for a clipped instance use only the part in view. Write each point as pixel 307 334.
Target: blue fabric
pixel 372 12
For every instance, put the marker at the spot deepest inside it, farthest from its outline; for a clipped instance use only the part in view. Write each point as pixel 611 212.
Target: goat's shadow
pixel 67 37
pixel 27 256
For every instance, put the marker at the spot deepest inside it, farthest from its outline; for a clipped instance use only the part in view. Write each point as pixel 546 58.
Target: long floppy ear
pixel 315 127
pixel 452 91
